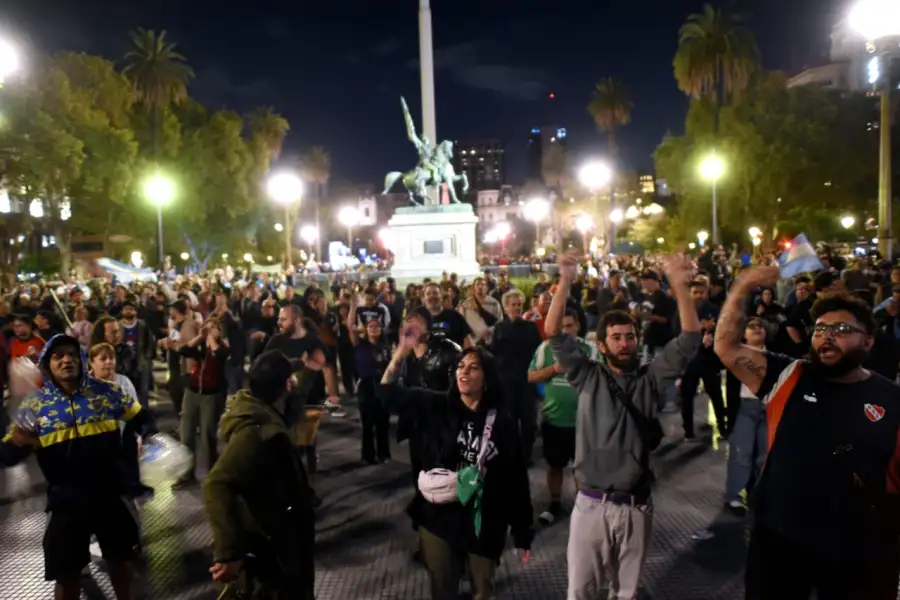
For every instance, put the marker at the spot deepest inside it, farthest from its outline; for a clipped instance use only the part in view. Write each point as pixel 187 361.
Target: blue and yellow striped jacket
pixel 79 445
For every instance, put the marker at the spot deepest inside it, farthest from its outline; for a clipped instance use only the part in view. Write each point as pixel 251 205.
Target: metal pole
pixel 287 236
pixel 612 224
pixel 715 215
pixel 350 238
pixel 160 233
pixel 537 234
pixel 885 218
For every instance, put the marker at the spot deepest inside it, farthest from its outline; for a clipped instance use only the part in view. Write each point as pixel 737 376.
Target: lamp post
pixel 160 190
pixel 878 21
pixel 584 224
pixel 309 233
pixel 594 176
pixel 537 210
pixel 711 169
pixel 285 188
pixel 349 218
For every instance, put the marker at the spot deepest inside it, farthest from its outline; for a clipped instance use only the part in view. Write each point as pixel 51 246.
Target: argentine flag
pixel 800 258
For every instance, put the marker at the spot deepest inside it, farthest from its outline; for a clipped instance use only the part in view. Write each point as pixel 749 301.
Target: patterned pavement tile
pixel 364 540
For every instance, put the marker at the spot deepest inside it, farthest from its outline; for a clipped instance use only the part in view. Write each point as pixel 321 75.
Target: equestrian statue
pixel 434 169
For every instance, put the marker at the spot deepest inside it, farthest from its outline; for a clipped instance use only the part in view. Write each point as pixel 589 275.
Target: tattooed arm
pixel 746 363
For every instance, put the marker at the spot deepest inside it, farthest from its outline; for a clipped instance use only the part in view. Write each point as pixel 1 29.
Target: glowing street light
pixel 711 169
pixel 616 216
pixel 224 256
pixel 160 190
pixel 137 259
pixel 270 258
pixel 595 175
pixel 702 236
pixel 10 60
pixel 847 221
pixel 756 242
pixel 248 257
pixel 536 210
pixel 309 234
pixel 584 224
pixel 754 232
pixel 285 188
pixel 279 227
pixel 349 218
pixel 184 256
pixel 878 22
pixel 660 240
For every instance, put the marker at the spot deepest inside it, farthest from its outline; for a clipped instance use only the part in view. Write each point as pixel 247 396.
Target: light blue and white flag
pixel 800 258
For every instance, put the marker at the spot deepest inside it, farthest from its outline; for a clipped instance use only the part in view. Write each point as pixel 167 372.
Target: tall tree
pixel 271 129
pixel 159 74
pixel 610 107
pixel 316 165
pixel 716 57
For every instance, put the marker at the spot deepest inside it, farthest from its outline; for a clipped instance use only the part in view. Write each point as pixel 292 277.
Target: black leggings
pixel 375 422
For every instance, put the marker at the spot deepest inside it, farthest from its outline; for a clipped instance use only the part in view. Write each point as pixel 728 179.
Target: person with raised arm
pixel 826 508
pixel 616 429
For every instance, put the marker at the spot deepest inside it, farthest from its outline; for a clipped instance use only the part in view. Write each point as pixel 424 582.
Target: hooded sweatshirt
pixel 79 447
pixel 258 485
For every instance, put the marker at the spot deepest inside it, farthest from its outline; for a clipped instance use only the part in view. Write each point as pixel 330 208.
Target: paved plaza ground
pixel 364 540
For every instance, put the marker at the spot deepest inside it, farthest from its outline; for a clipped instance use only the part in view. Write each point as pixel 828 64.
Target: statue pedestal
pixel 428 240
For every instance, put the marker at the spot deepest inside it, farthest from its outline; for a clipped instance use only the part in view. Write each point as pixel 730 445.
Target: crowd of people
pixel 476 373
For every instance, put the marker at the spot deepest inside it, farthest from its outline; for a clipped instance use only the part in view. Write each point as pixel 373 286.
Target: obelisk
pixel 426 69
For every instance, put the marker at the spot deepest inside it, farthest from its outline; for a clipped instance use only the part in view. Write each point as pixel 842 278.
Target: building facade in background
pixel 540 141
pixel 483 162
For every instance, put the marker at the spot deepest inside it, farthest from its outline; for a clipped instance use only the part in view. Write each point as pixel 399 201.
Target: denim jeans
pixel 234 377
pixel 747 451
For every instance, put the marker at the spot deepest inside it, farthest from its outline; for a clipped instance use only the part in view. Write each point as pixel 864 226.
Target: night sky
pixel 336 69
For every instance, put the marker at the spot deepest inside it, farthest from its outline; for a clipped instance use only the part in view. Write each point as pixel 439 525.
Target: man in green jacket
pixel 258 497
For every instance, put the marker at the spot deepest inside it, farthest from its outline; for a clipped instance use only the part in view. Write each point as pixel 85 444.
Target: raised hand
pixel 678 269
pixel 568 264
pixel 758 276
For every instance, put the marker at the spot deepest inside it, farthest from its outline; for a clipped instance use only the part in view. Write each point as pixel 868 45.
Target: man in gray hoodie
pixel 616 429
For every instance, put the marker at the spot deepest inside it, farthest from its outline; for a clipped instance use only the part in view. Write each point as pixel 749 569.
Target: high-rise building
pixel 539 141
pixel 647 184
pixel 483 162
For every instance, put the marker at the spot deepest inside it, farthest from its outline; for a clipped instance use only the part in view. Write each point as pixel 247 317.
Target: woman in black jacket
pixel 452 425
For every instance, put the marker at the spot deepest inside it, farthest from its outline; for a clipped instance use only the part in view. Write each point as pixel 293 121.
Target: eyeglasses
pixel 836 329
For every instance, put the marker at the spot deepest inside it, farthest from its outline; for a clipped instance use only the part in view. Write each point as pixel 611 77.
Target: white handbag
pixel 439 486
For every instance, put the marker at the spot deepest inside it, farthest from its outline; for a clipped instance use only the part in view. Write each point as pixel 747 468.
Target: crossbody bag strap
pixel 639 418
pixel 486 437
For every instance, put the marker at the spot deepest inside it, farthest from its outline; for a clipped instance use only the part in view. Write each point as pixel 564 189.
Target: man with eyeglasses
pixel 827 505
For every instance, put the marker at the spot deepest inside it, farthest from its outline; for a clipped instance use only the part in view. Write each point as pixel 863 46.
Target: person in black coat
pixel 454 437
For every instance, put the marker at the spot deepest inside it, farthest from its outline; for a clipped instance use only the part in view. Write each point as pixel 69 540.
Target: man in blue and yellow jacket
pixel 78 446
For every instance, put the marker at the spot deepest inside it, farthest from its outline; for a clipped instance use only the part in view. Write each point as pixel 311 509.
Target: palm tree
pixel 610 108
pixel 715 58
pixel 158 73
pixel 317 169
pixel 271 127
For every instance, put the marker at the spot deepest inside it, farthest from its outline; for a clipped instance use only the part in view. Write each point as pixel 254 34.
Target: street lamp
pixel 285 188
pixel 754 232
pixel 10 60
pixel 616 216
pixel 309 234
pixel 594 176
pixel 349 218
pixel 847 222
pixel 537 210
pixel 137 259
pixel 584 224
pixel 160 190
pixel 184 256
pixel 711 169
pixel 878 21
pixel 702 236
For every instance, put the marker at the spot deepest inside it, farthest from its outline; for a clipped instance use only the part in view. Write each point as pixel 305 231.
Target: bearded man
pixel 826 508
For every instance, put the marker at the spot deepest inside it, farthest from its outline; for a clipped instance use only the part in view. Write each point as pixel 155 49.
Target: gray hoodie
pixel 608 446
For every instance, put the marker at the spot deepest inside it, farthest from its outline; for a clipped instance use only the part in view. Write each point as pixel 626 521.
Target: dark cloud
pixel 480 64
pixel 218 86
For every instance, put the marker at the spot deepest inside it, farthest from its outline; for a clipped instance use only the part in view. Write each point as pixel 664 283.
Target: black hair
pixel 493 391
pixel 370 291
pixel 296 311
pixel 180 305
pixel 571 312
pixel 853 305
pixel 803 279
pixel 268 375
pixel 98 333
pixel 824 280
pixel 697 284
pixel 611 319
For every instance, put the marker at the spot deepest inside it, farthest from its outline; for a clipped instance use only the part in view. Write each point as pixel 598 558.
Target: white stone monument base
pixel 428 240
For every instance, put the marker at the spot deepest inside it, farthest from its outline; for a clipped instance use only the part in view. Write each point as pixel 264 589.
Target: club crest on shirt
pixel 874 412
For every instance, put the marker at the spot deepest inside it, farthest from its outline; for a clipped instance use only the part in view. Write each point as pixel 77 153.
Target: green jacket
pixel 258 491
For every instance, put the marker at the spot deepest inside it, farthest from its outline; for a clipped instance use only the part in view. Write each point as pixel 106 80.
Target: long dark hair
pixel 492 396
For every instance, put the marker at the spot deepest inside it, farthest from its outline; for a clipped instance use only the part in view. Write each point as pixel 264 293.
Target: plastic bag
pixel 163 458
pixel 24 378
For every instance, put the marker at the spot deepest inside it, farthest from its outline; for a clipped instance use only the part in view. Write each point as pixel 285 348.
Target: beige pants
pixel 607 546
